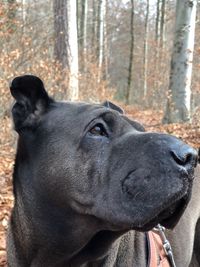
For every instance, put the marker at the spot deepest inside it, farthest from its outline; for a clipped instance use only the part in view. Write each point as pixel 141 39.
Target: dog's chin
pixel 169 217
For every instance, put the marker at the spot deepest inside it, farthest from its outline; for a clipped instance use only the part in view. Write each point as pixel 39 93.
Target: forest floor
pixel 151 119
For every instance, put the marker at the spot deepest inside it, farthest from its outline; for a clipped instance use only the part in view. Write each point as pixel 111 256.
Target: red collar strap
pixel 157 254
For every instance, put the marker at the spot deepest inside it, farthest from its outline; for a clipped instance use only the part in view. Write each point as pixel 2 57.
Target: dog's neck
pixel 73 244
pixel 74 238
pixel 127 250
pixel 97 250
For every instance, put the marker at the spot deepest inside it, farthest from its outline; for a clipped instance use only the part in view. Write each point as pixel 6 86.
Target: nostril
pixel 184 159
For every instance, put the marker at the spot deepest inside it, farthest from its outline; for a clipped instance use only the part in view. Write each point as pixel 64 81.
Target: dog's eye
pixel 98 130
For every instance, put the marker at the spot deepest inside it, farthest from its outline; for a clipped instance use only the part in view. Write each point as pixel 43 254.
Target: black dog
pixel 88 182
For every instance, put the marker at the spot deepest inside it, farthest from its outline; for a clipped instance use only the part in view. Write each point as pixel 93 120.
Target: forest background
pixel 92 50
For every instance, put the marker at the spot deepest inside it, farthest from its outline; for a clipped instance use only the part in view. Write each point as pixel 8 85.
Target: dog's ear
pixel 32 101
pixel 113 106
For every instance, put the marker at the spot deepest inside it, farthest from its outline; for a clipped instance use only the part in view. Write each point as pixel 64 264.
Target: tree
pixel 100 45
pixel 130 68
pixel 11 14
pixel 146 49
pixel 60 32
pixel 105 48
pixel 94 28
pixel 83 33
pixel 158 18
pixel 65 45
pixel 72 50
pixel 162 24
pixel 178 104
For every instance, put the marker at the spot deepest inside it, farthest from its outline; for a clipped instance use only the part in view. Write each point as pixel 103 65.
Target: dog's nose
pixel 185 156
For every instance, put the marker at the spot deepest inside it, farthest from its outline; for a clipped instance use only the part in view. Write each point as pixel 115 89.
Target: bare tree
pixel 78 19
pixel 178 104
pixel 94 27
pixel 60 32
pixel 130 68
pixel 106 49
pixel 72 49
pixel 83 33
pixel 162 24
pixel 65 45
pixel 11 14
pixel 158 19
pixel 146 49
pixel 100 46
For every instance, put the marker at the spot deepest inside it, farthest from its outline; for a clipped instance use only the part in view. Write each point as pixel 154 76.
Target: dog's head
pixel 98 163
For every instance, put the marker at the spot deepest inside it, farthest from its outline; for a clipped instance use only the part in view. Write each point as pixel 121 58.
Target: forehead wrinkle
pixel 99 115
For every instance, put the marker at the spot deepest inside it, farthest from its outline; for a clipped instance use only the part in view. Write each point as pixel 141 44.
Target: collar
pixel 159 249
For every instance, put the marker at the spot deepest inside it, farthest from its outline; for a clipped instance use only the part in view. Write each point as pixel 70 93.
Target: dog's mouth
pixel 168 211
pixel 170 216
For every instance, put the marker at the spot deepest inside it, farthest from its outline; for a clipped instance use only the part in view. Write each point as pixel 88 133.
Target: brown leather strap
pixel 158 257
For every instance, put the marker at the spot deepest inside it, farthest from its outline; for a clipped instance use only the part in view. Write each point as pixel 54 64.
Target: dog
pixel 89 183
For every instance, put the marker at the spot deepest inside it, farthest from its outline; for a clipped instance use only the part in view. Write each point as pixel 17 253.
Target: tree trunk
pixel 83 33
pixel 145 62
pixel 162 24
pixel 130 68
pixel 94 29
pixel 105 49
pixel 78 20
pixel 72 50
pixel 100 47
pixel 65 46
pixel 157 41
pixel 60 32
pixel 158 18
pixel 178 104
pixel 24 15
pixel 11 14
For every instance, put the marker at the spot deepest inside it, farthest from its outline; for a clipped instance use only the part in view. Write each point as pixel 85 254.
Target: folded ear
pixel 111 105
pixel 32 101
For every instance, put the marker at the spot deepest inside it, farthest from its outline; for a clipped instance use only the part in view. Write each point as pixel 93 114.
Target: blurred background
pixel 109 39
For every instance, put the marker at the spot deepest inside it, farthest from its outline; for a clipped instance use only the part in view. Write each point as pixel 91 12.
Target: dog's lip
pixel 169 216
pixel 170 212
pixel 171 220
